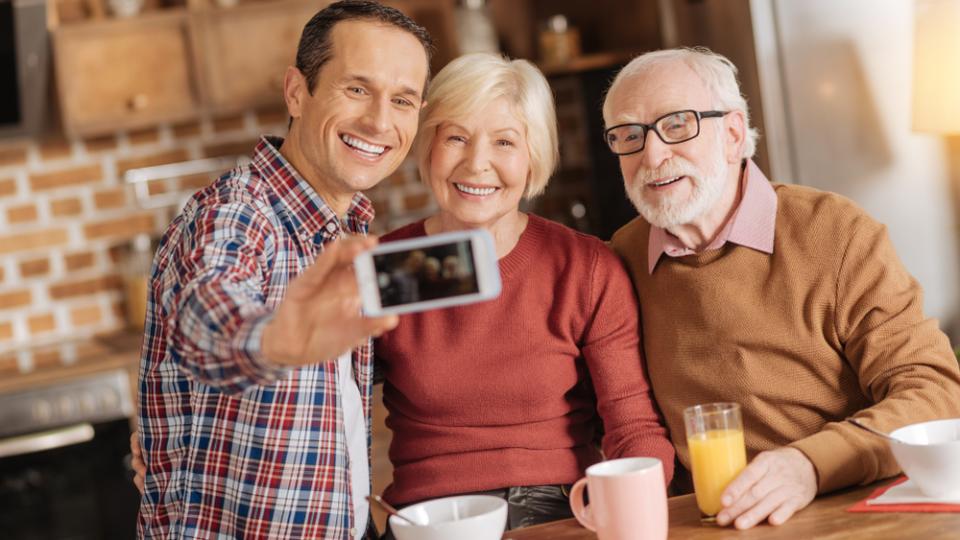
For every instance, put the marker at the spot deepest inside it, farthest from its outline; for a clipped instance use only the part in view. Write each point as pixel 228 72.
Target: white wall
pixel 845 69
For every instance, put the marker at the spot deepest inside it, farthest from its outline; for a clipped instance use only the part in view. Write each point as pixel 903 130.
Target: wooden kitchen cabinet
pixel 125 74
pixel 177 63
pixel 244 51
pixel 437 16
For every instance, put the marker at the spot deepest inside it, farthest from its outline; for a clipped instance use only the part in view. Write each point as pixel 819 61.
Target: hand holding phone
pixel 319 317
pixel 430 272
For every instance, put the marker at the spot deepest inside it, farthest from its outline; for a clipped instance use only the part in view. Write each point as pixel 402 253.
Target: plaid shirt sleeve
pixel 217 311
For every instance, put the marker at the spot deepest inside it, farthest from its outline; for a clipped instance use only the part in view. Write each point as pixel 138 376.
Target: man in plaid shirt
pixel 254 411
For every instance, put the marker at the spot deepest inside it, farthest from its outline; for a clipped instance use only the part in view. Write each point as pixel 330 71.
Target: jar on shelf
pixel 125 8
pixel 559 42
pixel 136 276
pixel 475 28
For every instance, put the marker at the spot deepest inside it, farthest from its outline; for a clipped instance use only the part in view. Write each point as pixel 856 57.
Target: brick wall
pixel 67 219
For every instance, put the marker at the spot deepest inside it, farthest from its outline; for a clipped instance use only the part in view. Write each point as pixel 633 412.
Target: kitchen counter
pixel 825 518
pixel 101 353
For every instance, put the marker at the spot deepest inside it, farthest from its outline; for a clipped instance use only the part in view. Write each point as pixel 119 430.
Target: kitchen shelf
pixel 588 62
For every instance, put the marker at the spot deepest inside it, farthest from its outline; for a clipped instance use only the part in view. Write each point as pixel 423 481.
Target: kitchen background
pixel 126 106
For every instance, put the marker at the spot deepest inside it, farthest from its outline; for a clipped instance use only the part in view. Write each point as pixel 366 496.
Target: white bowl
pixel 929 454
pixel 465 517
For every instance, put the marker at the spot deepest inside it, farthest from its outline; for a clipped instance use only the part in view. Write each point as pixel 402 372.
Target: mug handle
pixel 581 512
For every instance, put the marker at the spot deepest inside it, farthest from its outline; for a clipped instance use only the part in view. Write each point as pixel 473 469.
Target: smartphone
pixel 429 272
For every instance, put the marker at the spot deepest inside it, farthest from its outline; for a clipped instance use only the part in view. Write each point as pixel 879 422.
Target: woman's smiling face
pixel 480 165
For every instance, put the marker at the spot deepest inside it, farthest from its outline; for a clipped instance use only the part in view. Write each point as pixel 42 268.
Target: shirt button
pixel 353 533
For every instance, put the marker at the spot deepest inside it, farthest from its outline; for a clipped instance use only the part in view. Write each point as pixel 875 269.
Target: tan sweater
pixel 828 326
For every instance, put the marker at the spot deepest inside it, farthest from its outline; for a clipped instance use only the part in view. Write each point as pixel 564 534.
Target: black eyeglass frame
pixel 647 128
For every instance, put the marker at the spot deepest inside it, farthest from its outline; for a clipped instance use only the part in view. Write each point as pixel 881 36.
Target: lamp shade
pixel 936 66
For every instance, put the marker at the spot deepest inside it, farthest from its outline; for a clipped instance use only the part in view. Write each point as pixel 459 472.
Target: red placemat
pixel 862 506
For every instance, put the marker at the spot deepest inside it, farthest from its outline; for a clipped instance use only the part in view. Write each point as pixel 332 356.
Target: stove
pixel 64 461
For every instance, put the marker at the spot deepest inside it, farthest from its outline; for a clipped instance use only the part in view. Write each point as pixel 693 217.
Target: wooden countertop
pixel 825 518
pixel 102 353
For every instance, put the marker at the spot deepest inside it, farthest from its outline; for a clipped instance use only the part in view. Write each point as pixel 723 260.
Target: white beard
pixel 668 211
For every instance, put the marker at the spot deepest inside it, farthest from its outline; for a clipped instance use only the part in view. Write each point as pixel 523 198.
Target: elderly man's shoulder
pixel 631 236
pixel 814 212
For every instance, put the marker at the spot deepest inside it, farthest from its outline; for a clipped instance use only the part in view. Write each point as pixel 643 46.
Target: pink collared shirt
pixel 752 224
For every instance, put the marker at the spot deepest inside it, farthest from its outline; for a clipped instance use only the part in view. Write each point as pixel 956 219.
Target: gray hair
pixel 716 71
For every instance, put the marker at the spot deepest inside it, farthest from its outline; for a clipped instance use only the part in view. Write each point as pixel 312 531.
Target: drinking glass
pixel 717 452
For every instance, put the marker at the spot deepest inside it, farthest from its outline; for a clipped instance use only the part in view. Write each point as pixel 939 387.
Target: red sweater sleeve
pixel 632 424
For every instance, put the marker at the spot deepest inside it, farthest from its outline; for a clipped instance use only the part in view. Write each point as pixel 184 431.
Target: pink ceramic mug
pixel 628 500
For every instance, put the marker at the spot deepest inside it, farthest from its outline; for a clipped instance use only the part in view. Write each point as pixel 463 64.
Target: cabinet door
pixel 118 74
pixel 246 50
pixel 437 16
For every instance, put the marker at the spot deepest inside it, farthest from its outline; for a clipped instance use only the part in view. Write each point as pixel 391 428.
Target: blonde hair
pixel 470 83
pixel 715 70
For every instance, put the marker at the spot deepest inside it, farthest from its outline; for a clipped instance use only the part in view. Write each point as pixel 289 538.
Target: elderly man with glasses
pixel 787 300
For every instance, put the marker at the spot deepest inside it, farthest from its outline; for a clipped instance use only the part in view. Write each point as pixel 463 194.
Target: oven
pixel 64 461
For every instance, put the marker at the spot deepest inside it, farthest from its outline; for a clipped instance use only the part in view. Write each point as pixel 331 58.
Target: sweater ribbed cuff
pixel 838 462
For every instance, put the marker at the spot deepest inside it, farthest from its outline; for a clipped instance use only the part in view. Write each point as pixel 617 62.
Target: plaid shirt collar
pixel 313 219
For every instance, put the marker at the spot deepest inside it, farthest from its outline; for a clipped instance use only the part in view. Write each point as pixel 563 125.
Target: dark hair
pixel 315 47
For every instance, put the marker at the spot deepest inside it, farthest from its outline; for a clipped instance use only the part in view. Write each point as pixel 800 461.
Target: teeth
pixel 665 182
pixel 475 191
pixel 361 145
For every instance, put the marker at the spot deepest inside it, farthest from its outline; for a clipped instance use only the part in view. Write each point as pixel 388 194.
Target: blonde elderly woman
pixel 507 396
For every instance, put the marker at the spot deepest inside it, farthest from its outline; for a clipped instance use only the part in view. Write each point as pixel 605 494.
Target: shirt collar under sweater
pixel 752 224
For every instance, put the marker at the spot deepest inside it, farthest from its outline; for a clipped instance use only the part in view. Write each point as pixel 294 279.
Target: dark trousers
pixel 526 505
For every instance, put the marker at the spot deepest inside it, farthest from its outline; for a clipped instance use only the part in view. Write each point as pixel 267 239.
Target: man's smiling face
pixel 358 124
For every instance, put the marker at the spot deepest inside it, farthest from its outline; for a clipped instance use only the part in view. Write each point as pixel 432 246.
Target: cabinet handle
pixel 138 102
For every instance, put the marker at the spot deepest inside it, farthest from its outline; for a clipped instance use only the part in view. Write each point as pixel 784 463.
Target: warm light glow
pixel 936 66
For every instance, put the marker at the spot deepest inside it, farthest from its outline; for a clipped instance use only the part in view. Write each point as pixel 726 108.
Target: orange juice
pixel 716 457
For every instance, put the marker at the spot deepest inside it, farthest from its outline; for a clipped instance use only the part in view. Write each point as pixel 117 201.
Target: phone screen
pixel 428 273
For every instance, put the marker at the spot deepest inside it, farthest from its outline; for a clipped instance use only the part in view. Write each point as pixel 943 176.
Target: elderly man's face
pixel 671 185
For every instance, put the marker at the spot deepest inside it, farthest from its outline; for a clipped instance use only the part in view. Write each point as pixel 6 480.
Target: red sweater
pixel 507 392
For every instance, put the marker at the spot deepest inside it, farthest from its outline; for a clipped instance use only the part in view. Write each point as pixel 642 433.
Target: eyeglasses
pixel 672 128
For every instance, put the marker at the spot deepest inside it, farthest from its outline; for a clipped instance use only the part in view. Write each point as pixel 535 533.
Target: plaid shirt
pixel 236 447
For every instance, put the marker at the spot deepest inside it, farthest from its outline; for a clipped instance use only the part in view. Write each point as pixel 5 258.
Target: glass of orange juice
pixel 717 452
